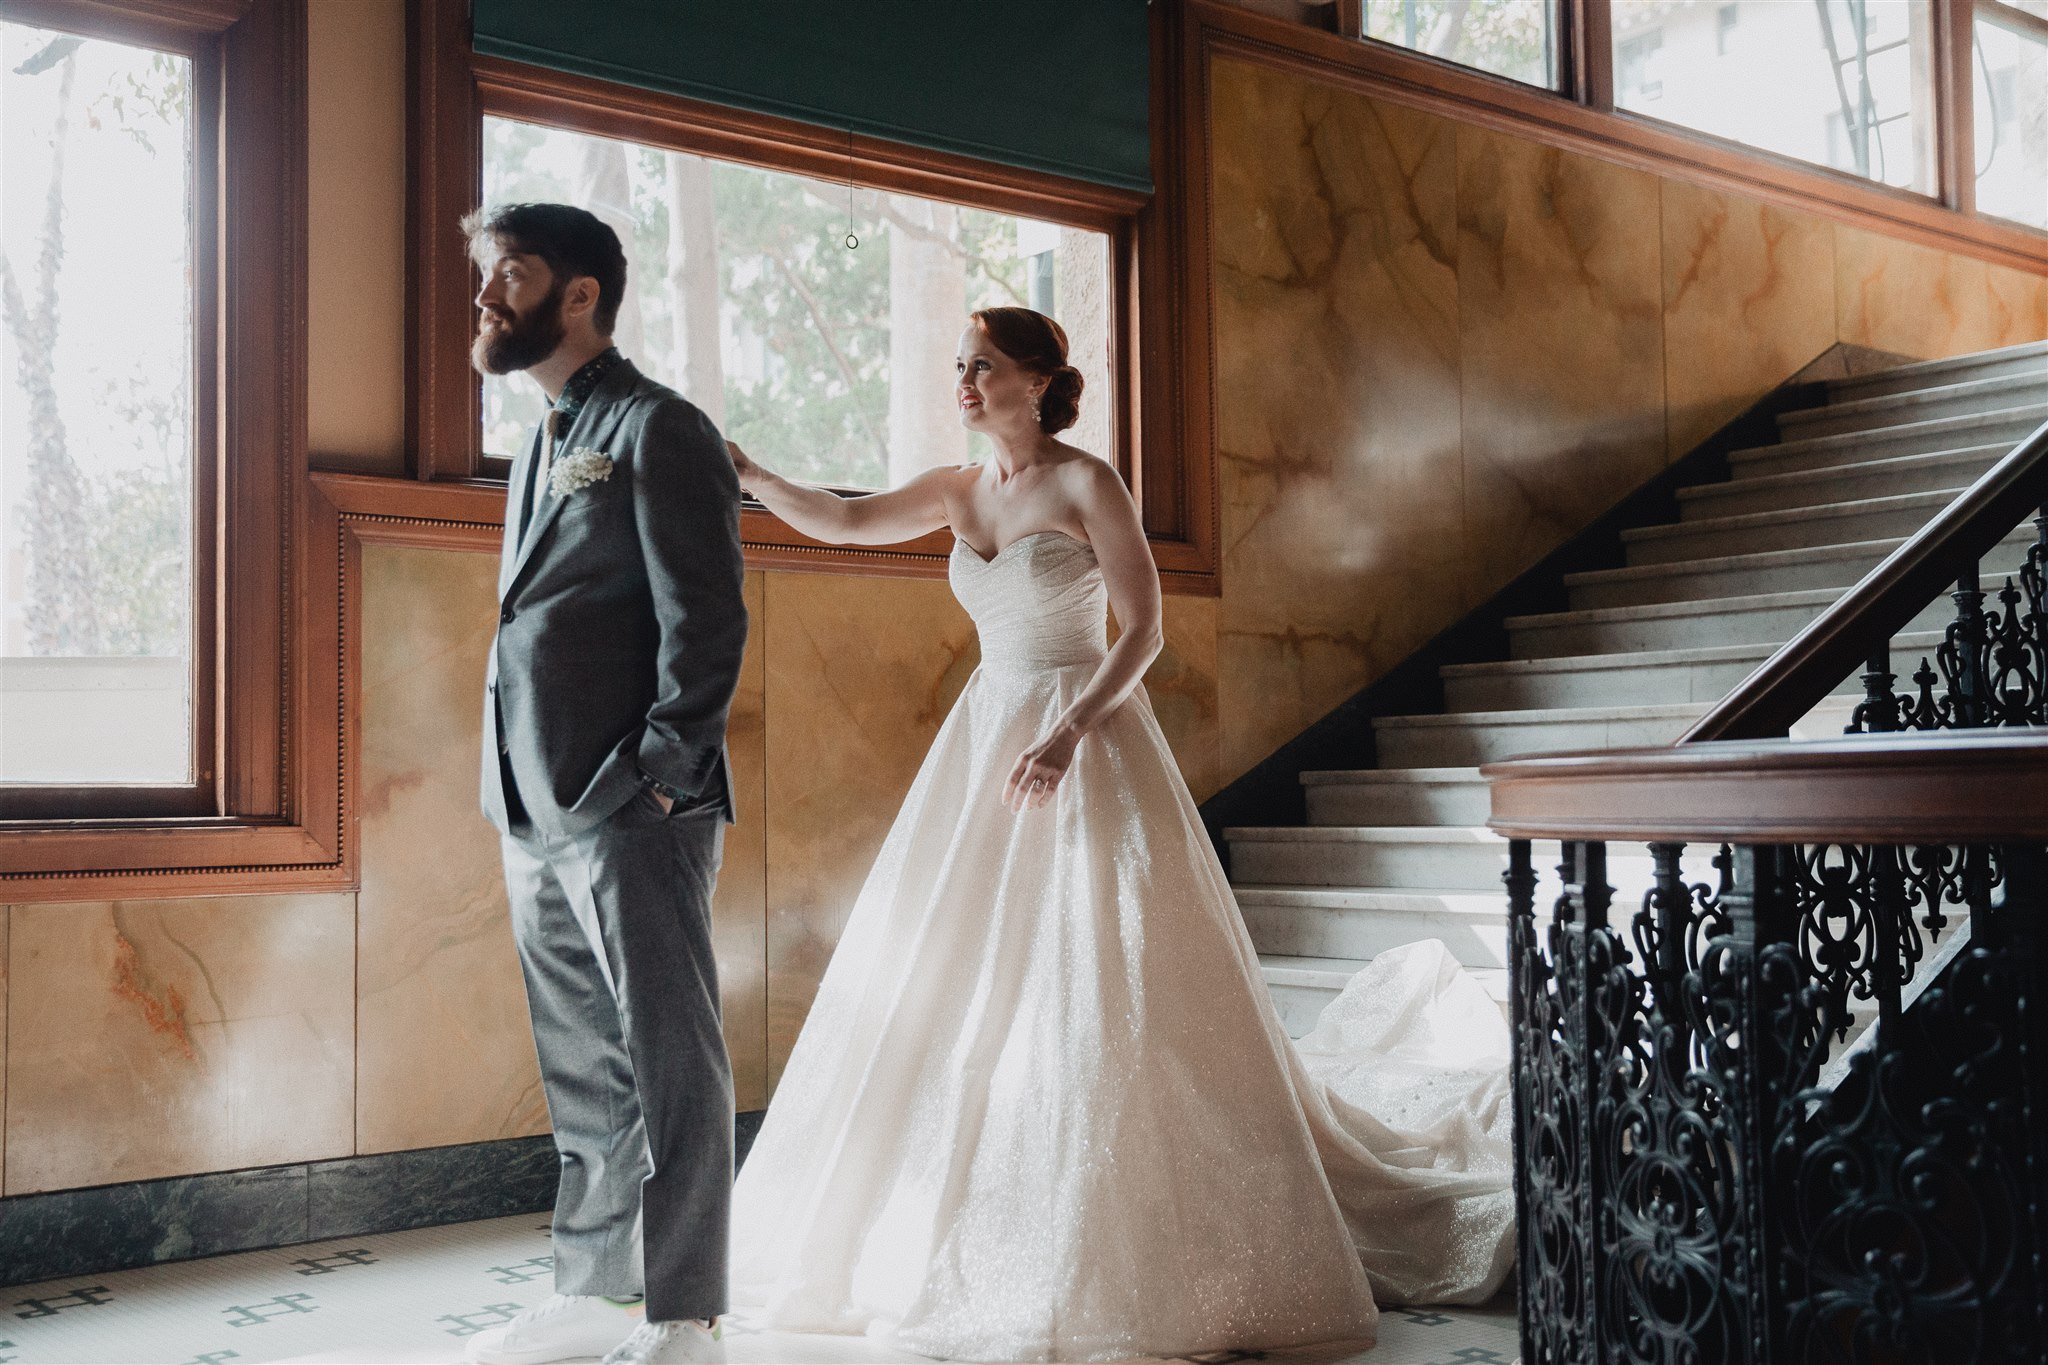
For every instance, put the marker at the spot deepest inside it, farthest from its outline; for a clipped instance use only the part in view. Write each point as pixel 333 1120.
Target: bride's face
pixel 994 392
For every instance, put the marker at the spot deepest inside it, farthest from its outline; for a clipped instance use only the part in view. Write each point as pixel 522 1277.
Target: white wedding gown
pixel 1043 1107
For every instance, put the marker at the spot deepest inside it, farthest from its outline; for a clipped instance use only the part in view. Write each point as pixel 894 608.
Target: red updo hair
pixel 1039 344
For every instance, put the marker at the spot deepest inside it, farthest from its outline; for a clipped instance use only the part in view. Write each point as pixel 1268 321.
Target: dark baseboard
pixel 145 1222
pixel 1271 792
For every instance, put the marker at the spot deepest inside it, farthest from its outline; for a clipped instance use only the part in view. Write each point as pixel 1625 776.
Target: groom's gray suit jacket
pixel 620 619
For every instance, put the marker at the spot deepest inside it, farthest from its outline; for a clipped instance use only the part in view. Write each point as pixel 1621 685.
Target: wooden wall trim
pixel 315 849
pixel 1552 119
pixel 176 22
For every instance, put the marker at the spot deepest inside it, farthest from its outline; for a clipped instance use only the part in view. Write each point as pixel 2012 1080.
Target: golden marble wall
pixel 1916 300
pixel 1442 350
pixel 860 673
pixel 158 1038
pixel 1749 297
pixel 355 228
pixel 443 1051
pixel 1337 305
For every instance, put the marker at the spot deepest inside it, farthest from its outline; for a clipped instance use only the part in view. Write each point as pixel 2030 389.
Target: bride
pixel 1043 1107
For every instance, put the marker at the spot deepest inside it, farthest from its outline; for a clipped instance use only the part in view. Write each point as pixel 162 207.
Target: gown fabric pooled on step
pixel 1043 1107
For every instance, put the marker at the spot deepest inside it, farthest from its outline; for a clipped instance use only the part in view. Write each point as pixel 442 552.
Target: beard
pixel 523 340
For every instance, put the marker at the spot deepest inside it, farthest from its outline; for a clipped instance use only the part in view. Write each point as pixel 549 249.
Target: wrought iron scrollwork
pixel 1696 1187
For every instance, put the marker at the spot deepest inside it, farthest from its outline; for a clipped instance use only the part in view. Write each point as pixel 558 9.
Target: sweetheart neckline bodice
pixel 959 542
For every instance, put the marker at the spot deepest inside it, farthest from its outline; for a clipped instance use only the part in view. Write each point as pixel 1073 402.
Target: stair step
pixel 1920 404
pixel 1396 796
pixel 2026 358
pixel 2007 425
pixel 1833 565
pixel 1757 492
pixel 1487 736
pixel 1302 986
pixel 1764 618
pixel 1815 488
pixel 1430 858
pixel 1797 528
pixel 1354 922
pixel 1646 678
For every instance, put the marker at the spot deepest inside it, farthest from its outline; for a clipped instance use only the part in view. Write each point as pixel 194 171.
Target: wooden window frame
pixel 267 800
pixel 1580 116
pixel 453 89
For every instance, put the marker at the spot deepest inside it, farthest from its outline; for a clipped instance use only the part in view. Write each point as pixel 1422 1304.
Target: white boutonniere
pixel 580 468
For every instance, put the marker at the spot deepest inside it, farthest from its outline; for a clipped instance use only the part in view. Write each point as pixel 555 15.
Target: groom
pixel 620 628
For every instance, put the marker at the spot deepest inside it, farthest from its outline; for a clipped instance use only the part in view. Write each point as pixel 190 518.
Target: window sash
pixel 265 812
pixel 457 89
pixel 1943 104
pixel 25 801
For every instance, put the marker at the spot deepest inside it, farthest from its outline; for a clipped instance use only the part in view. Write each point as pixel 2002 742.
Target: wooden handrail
pixel 1961 787
pixel 1835 644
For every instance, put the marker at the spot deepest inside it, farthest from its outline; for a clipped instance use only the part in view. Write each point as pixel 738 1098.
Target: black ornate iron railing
pixel 1992 665
pixel 1786 1098
pixel 1783 1095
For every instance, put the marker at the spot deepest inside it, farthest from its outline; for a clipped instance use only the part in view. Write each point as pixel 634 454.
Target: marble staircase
pixel 1399 853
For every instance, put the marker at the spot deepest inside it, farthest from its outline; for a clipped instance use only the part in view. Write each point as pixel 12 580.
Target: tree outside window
pixel 96 485
pixel 815 322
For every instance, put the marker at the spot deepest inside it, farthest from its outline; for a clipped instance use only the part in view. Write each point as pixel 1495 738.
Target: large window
pixel 814 320
pixel 156 729
pixel 97 496
pixel 1834 82
pixel 807 283
pixel 1512 38
pixel 2010 65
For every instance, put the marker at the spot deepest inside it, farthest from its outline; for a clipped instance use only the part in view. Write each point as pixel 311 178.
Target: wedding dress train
pixel 1042 1107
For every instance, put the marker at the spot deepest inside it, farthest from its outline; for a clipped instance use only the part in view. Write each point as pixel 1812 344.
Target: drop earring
pixel 1035 400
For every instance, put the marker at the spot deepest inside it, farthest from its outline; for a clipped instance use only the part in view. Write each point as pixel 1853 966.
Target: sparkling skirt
pixel 1042 1107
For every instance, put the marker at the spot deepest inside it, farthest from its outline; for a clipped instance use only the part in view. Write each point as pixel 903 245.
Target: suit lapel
pixel 518 487
pixel 593 426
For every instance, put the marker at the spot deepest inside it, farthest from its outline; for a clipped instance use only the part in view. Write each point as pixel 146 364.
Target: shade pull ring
pixel 852 237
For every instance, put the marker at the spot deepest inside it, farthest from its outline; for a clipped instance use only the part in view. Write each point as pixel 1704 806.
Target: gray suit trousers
pixel 614 932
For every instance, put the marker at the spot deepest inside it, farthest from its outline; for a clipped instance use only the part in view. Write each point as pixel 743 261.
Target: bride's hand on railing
pixel 1038 771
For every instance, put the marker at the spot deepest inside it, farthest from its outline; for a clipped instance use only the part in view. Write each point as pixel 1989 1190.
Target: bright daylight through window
pixel 2010 71
pixel 1831 82
pixel 96 441
pixel 1512 38
pixel 833 362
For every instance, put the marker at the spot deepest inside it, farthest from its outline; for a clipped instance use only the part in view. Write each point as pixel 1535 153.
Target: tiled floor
pixel 414 1296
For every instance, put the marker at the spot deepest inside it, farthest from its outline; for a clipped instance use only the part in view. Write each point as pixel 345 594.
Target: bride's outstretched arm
pixel 871 519
pixel 1132 580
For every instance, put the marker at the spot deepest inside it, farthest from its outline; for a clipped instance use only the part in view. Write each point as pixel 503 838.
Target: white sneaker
pixel 669 1343
pixel 560 1327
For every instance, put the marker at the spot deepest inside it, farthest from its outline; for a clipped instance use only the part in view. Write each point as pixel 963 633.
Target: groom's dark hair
pixel 572 241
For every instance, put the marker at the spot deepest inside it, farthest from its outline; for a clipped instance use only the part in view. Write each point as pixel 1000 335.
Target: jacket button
pixel 506 614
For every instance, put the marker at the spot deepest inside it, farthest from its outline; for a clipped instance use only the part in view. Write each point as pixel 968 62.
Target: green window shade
pixel 1059 85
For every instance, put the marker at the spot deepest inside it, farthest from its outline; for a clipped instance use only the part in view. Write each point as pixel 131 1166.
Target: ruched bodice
pixel 1039 603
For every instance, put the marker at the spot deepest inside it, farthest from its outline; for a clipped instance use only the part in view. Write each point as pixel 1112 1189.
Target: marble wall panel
pixel 444 1049
pixel 355 262
pixel 860 673
pixel 1749 298
pixel 159 1038
pixel 1560 299
pixel 739 912
pixel 1338 396
pixel 1182 684
pixel 1920 301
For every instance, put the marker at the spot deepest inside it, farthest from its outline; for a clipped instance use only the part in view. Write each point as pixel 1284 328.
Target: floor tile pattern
pixel 414 1296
